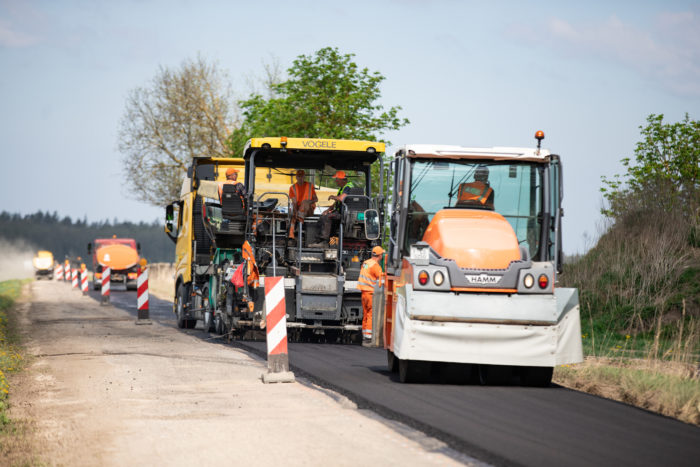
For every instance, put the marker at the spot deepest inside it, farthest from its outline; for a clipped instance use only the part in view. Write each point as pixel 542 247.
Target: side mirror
pixel 138 247
pixel 371 224
pixel 170 229
pixel 89 248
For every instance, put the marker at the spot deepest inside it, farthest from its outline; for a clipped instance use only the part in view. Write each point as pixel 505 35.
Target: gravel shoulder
pixel 101 390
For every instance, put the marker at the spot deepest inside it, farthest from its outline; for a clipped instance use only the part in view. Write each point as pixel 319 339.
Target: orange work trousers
pixel 367 315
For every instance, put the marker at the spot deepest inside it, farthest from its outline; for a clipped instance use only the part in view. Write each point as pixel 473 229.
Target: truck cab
pixel 121 255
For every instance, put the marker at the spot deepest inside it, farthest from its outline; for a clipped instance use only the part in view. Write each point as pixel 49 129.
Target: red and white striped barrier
pixel 59 272
pixel 66 271
pixel 276 326
pixel 74 277
pixel 142 297
pixel 84 281
pixel 106 278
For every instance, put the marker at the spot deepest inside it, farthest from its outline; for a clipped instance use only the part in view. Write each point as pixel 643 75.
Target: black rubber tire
pixel 536 376
pixel 413 371
pixel 392 361
pixel 494 375
pixel 180 300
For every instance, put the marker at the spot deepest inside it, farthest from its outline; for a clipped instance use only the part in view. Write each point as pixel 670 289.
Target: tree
pixel 186 112
pixel 326 95
pixel 666 172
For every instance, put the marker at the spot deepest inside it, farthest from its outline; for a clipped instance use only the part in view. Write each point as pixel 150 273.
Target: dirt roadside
pixel 102 391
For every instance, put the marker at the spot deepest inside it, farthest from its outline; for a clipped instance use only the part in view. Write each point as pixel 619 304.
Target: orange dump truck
pixel 121 255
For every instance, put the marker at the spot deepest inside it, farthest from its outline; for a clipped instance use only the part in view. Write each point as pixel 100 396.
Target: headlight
pixel 528 281
pixel 438 278
pixel 330 255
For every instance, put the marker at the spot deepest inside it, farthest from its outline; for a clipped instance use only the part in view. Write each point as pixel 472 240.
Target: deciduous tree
pixel 184 113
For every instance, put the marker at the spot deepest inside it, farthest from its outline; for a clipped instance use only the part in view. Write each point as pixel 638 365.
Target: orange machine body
pixel 474 239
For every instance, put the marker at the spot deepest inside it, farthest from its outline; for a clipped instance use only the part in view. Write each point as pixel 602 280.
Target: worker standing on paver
pixel 370 276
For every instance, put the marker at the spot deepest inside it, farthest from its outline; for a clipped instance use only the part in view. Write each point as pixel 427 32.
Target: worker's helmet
pixel 481 174
pixel 231 171
pixel 377 250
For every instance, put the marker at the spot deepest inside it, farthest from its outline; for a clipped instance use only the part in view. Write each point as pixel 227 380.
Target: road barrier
pixel 59 272
pixel 74 277
pixel 142 295
pixel 84 281
pixel 106 273
pixel 66 271
pixel 276 326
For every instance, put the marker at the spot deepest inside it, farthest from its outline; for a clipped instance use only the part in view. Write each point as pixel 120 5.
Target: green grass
pixel 11 358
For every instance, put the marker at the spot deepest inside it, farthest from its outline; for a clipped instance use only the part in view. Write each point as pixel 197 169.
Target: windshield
pixel 512 189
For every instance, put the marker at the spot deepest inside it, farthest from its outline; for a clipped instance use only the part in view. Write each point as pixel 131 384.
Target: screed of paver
pixel 102 391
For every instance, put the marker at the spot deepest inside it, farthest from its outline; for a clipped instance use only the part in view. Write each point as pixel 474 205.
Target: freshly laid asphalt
pixel 507 425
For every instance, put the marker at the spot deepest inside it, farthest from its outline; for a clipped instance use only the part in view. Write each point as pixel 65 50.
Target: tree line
pixel 64 236
pixel 190 111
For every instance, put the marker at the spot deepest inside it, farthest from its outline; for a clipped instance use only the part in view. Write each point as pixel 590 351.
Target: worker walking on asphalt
pixel 370 275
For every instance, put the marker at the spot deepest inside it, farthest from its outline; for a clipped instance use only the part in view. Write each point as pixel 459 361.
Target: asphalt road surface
pixel 508 425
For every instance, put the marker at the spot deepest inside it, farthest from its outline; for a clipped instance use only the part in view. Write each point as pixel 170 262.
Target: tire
pixel 413 371
pixel 208 315
pixel 181 299
pixel 494 375
pixel 392 361
pixel 536 376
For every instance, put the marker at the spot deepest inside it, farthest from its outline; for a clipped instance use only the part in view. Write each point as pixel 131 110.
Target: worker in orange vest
pixel 370 276
pixel 303 197
pixel 477 192
pixel 232 178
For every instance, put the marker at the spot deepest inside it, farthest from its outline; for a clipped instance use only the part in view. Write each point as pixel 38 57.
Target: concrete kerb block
pixel 282 377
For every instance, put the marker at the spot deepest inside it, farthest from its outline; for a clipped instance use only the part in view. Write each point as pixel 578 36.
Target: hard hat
pixel 340 174
pixel 481 174
pixel 301 172
pixel 231 171
pixel 377 251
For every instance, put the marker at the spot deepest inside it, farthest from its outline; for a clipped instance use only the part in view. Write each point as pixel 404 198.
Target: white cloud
pixel 667 52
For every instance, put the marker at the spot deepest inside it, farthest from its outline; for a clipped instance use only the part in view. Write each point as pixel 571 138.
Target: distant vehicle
pixel 121 255
pixel 43 264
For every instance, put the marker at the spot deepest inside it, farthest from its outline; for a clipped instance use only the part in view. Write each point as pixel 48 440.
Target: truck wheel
pixel 536 376
pixel 392 361
pixel 413 371
pixel 494 375
pixel 181 298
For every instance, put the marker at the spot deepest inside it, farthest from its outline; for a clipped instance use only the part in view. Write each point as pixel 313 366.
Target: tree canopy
pixel 326 95
pixel 665 173
pixel 184 113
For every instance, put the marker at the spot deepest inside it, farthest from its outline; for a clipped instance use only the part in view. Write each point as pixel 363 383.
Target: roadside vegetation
pixel 640 285
pixel 10 354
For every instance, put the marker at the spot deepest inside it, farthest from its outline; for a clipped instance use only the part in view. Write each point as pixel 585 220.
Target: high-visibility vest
pixel 474 191
pixel 370 274
pixel 299 195
pixel 239 189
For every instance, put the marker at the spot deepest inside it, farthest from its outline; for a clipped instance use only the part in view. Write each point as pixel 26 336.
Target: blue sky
pixel 471 73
